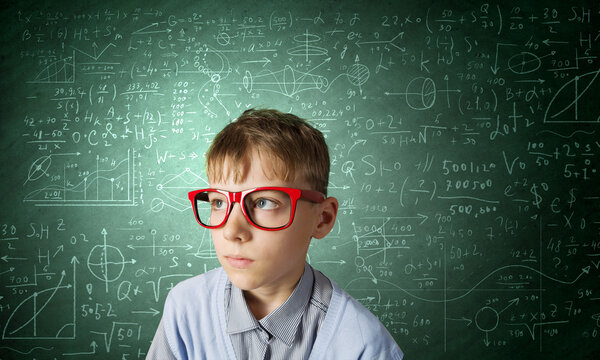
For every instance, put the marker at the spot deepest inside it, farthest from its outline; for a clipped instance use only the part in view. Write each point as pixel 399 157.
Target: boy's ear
pixel 328 212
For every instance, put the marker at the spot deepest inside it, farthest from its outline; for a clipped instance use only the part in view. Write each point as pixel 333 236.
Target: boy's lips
pixel 239 262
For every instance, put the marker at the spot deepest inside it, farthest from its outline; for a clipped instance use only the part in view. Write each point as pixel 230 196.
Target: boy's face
pixel 270 262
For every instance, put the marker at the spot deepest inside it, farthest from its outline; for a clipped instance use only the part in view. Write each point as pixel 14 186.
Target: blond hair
pixel 297 150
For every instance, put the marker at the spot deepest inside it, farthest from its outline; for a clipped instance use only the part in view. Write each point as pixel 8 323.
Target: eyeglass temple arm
pixel 312 195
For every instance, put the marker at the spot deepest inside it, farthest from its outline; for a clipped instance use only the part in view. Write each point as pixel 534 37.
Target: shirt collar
pixel 282 322
pixel 239 317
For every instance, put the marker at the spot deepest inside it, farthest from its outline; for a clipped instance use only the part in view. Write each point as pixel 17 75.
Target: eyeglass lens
pixel 266 208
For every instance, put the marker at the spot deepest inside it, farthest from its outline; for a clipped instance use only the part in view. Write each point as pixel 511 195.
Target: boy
pixel 268 174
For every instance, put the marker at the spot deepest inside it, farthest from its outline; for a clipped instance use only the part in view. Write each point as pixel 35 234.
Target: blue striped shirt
pixel 194 325
pixel 288 332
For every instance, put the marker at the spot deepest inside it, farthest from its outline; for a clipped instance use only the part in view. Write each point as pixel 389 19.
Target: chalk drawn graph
pixel 379 240
pixel 48 313
pixel 110 183
pixel 581 89
pixel 61 71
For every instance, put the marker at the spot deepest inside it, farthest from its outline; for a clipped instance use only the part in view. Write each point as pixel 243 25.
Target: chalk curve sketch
pixel 581 89
pixel 30 318
pixel 216 66
pixel 212 63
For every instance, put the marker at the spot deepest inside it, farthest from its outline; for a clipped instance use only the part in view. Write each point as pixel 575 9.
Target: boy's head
pixel 266 148
pixel 295 148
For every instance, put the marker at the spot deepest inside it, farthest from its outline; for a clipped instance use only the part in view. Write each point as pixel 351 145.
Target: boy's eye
pixel 218 204
pixel 265 204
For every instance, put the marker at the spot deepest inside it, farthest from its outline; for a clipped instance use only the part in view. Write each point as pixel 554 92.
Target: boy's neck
pixel 263 302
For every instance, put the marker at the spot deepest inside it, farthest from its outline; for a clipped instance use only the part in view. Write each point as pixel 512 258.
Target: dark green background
pixel 464 146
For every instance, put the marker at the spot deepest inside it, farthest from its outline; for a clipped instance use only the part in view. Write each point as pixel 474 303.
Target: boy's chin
pixel 240 281
pixel 241 278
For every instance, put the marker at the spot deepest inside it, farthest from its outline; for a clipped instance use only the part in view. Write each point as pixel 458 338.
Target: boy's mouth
pixel 238 261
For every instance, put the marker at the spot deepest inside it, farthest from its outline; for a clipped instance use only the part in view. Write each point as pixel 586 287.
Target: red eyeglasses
pixel 267 208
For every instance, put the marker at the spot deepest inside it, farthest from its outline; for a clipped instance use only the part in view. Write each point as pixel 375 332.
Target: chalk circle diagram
pixel 524 63
pixel 487 319
pixel 223 39
pixel 420 93
pixel 358 74
pixel 106 262
pixel 581 89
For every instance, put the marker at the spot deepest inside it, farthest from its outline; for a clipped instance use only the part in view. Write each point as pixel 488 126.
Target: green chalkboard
pixel 464 145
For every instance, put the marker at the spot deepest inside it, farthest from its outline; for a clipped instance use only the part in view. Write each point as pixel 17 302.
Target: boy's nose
pixel 236 227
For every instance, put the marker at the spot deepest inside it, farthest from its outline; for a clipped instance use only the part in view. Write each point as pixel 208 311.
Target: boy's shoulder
pixel 196 289
pixel 350 329
pixel 352 311
pixel 192 317
pixel 343 304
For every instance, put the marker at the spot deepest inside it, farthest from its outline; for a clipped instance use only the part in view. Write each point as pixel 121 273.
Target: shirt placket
pixel 265 340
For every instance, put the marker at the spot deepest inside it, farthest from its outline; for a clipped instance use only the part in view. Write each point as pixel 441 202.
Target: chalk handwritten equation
pixel 465 156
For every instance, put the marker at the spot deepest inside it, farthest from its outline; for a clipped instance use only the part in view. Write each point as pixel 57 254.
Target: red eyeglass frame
pixel 239 196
